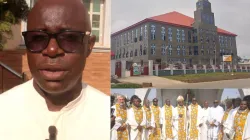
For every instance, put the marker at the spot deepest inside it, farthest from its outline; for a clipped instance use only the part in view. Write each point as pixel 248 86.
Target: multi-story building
pixel 175 38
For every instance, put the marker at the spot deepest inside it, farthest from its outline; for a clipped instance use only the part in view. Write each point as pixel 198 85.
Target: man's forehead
pixel 60 16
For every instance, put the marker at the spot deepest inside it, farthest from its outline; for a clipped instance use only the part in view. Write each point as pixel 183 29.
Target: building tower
pixel 205 37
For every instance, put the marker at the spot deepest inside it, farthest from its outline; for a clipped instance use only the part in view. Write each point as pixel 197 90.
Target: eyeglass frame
pixel 54 35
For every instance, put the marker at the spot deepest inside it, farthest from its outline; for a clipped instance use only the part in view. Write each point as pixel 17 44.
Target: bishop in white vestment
pixel 180 120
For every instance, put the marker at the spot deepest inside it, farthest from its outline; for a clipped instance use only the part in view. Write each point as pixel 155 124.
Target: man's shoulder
pixel 93 92
pixel 96 98
pixel 15 92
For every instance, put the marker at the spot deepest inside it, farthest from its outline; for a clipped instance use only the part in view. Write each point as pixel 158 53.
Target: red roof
pixel 177 19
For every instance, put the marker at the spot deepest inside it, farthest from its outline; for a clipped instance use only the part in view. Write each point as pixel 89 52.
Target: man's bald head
pixel 56 10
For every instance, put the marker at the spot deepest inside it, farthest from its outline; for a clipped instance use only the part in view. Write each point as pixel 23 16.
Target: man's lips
pixel 53 74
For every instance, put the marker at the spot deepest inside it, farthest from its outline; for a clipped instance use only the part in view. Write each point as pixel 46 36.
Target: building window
pixel 221 53
pixel 152 32
pixel 141 34
pixel 163 49
pixel 136 35
pixel 132 36
pixel 145 50
pixel 131 53
pixel 118 41
pixel 183 35
pixel 163 33
pixel 125 39
pixel 128 37
pixel 225 41
pixel 230 41
pixel 170 49
pixel 184 61
pixel 140 50
pixel 170 35
pixel 120 54
pixel 178 36
pixel 183 51
pixel 153 49
pixel 121 41
pixel 123 54
pixel 117 54
pixel 135 52
pixel 145 31
pixel 196 51
pixel 189 37
pixel 96 10
pixel 190 50
pixel 178 50
pixel 202 52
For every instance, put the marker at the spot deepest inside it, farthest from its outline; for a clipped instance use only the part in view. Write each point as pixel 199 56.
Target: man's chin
pixel 54 87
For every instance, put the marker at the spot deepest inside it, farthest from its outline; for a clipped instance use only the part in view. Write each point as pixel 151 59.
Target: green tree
pixel 11 12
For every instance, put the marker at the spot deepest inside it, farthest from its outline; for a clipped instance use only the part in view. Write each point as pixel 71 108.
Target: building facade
pixel 175 38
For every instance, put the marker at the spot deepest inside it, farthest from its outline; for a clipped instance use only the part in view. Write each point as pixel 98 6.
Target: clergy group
pixel 183 122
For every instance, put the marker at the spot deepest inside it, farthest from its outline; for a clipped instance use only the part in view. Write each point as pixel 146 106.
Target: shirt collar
pixel 35 97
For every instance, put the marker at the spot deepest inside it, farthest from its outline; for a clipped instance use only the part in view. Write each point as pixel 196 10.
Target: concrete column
pixel 246 69
pixel 241 68
pixel 213 67
pixel 235 67
pixel 159 97
pixel 112 67
pixel 222 68
pixel 150 67
pixel 141 93
pixel 205 68
pixel 184 68
pixel 156 69
pixel 123 74
pixel 171 69
pixel 195 69
pixel 229 67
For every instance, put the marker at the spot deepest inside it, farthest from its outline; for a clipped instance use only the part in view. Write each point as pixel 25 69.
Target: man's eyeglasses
pixel 69 41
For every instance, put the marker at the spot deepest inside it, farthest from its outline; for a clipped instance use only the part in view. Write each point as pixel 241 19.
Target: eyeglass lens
pixel 69 41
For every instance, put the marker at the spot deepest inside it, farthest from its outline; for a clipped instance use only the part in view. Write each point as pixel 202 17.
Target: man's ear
pixel 91 44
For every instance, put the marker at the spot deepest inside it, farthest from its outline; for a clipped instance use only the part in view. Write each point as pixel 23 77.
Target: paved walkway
pixel 159 82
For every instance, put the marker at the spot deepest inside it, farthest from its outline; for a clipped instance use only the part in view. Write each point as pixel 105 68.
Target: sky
pixel 228 92
pixel 230 15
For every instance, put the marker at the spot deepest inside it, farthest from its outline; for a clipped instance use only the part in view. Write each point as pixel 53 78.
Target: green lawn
pixel 208 77
pixel 126 85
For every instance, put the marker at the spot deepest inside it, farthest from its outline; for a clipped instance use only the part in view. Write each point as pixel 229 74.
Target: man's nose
pixel 53 49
